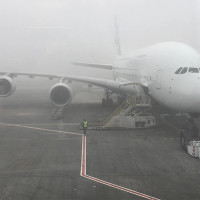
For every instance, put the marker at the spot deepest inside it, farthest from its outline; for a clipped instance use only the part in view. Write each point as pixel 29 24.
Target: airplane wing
pixel 113 85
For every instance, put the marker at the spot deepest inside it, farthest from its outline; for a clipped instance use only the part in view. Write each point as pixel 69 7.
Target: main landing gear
pixel 115 99
pixel 107 101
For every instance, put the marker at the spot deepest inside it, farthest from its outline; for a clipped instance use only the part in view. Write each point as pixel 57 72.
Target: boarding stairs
pixel 132 113
pixel 122 110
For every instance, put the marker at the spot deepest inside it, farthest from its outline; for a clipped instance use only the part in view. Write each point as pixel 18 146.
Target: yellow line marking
pixel 171 125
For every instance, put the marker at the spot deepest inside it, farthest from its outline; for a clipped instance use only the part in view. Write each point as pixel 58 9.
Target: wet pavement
pixel 41 158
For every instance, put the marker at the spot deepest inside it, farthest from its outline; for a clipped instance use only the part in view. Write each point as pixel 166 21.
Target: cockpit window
pixel 184 70
pixel 178 70
pixel 193 70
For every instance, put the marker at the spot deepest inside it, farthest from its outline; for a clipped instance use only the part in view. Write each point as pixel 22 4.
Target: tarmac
pixel 41 158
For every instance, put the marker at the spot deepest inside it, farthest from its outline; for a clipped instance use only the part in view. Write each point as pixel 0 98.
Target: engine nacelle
pixel 7 86
pixel 60 94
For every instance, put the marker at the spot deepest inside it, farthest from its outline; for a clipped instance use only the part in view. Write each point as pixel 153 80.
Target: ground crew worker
pixel 85 125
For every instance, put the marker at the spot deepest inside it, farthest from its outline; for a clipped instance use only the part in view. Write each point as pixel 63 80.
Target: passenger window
pixel 184 70
pixel 178 70
pixel 193 70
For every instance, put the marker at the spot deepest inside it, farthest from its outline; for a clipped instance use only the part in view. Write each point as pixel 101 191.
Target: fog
pixel 44 35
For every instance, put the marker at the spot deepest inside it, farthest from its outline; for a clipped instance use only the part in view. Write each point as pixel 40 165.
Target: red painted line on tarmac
pixel 83 158
pixel 83 162
pixel 120 188
pixel 43 129
pixel 83 174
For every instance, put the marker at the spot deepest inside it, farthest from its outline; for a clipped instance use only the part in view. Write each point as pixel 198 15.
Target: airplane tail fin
pixel 105 66
pixel 117 38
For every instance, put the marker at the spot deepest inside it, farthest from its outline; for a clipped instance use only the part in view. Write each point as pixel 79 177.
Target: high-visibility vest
pixel 85 124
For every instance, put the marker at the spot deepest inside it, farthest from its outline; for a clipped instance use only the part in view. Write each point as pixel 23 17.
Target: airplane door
pixel 158 78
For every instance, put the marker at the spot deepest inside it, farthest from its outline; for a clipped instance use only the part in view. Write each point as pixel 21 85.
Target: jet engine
pixel 7 86
pixel 60 94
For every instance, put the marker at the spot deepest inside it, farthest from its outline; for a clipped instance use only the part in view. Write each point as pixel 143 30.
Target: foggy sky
pixel 44 35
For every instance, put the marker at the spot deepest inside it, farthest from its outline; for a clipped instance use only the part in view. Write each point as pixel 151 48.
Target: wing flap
pixel 94 65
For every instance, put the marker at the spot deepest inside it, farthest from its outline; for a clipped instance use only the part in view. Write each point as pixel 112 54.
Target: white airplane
pixel 168 72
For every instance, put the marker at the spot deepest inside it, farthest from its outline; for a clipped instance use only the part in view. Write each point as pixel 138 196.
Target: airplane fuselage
pixel 156 68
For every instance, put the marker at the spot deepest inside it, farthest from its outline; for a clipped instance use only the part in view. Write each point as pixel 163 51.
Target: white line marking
pixel 56 124
pixel 120 188
pixel 42 129
pixel 84 174
pixel 83 162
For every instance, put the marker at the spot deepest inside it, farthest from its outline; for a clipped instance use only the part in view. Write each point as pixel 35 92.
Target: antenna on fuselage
pixel 117 38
